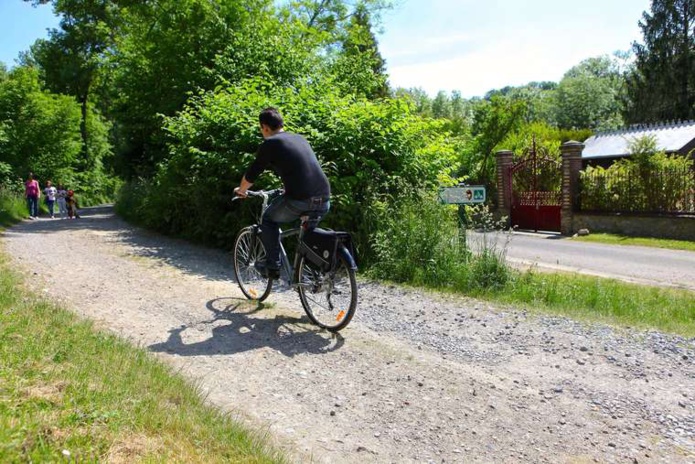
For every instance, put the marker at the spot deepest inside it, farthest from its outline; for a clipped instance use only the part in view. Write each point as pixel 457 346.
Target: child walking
pixel 61 196
pixel 50 191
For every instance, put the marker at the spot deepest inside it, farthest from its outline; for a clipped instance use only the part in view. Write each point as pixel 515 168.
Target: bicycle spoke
pixel 328 298
pixel 247 251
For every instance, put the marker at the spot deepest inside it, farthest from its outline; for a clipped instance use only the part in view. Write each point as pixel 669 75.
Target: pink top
pixel 32 188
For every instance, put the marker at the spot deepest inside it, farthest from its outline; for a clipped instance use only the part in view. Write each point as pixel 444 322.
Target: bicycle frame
pixel 288 268
pixel 284 259
pixel 328 296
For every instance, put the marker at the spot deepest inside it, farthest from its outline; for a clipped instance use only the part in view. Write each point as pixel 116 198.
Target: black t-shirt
pixel 292 158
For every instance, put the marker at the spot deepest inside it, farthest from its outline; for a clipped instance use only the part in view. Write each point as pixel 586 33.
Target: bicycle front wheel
pixel 329 298
pixel 248 250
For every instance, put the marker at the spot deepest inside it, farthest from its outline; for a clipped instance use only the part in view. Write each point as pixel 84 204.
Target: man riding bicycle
pixel 307 190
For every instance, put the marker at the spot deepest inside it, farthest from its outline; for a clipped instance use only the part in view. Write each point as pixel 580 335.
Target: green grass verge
pixel 12 209
pixel 599 299
pixel 67 388
pixel 640 241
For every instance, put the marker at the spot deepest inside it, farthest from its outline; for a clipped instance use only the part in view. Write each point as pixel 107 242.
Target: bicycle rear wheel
pixel 329 298
pixel 248 250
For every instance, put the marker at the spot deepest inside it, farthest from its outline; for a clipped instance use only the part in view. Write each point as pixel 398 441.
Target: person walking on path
pixel 62 204
pixel 32 192
pixel 50 191
pixel 307 189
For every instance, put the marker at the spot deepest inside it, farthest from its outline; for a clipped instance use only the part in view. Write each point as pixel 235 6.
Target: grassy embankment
pixel 613 239
pixel 71 393
pixel 421 245
pixel 601 300
pixel 588 298
pixel 12 209
pixel 593 298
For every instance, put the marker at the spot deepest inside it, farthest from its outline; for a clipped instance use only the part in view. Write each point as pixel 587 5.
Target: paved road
pixel 631 263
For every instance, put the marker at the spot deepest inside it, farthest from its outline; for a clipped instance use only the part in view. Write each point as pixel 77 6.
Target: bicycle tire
pixel 317 289
pixel 248 249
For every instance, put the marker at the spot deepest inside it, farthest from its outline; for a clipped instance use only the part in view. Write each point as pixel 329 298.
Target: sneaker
pixel 267 272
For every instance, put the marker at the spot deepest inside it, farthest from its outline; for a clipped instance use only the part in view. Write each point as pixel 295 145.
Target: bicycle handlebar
pixel 257 193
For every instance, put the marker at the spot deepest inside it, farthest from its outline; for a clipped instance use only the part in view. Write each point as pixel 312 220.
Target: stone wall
pixel 673 227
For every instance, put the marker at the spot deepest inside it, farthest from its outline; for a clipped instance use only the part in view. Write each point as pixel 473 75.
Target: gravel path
pixel 416 377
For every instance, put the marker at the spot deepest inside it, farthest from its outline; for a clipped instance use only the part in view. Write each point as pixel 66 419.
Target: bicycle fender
pixel 343 251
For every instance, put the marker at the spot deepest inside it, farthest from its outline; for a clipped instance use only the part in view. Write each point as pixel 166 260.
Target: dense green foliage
pixel 166 94
pixel 589 96
pixel 40 133
pixel 372 152
pixel 423 242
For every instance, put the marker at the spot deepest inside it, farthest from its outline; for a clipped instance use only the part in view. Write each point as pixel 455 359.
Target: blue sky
pixel 20 25
pixel 468 45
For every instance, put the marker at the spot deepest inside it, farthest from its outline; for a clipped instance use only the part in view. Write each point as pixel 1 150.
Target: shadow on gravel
pixel 210 264
pixel 244 332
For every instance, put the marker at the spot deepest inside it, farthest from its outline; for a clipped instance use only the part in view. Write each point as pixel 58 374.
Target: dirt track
pixel 415 377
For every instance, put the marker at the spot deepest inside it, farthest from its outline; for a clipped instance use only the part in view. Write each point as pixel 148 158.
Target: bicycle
pixel 322 271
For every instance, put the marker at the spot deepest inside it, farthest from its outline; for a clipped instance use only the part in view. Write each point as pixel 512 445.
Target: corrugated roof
pixel 670 137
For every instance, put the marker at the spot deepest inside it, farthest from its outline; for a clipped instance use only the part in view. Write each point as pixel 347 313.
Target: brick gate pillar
pixel 504 183
pixel 571 165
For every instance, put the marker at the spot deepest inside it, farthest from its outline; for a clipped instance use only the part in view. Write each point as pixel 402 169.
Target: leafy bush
pixel 40 133
pixel 418 241
pixel 648 181
pixel 372 152
pixel 9 181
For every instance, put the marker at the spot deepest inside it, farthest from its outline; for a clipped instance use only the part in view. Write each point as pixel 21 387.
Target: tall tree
pixel 493 120
pixel 441 105
pixel 71 58
pixel 662 85
pixel 359 66
pixel 589 95
pixel 419 98
pixel 40 129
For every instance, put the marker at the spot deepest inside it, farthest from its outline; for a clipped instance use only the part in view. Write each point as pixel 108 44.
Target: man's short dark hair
pixel 271 117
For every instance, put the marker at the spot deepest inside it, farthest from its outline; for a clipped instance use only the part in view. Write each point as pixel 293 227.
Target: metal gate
pixel 536 192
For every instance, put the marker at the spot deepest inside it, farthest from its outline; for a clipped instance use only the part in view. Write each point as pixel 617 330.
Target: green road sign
pixel 466 195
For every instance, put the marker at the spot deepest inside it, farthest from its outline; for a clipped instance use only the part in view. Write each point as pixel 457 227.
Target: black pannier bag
pixel 320 247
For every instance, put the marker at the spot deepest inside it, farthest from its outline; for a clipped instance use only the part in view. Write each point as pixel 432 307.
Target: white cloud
pixel 507 61
pixel 475 46
pixel 427 45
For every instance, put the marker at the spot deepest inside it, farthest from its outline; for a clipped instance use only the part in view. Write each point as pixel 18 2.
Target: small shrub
pixel 418 242
pixel 489 270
